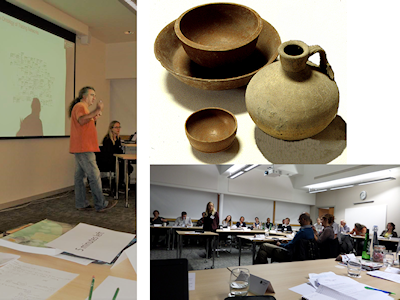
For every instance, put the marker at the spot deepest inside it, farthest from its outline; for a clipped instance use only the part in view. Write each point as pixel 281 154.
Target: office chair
pixel 105 167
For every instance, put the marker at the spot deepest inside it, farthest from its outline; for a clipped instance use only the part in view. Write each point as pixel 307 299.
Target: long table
pixel 213 284
pixel 206 234
pixel 79 287
pixel 254 242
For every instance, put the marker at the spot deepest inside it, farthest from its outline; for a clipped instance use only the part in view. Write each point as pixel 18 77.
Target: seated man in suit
pixel 305 232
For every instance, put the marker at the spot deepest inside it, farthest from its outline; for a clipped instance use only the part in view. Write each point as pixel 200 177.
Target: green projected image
pixel 33 80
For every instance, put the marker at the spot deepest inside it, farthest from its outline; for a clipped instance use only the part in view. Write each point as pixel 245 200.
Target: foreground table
pixel 79 287
pixel 206 287
pixel 286 275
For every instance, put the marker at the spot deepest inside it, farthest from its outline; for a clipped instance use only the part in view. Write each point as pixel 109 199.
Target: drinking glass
pixel 239 282
pixel 388 259
pixel 354 268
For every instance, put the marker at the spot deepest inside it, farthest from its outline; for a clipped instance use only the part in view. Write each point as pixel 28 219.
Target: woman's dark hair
pixel 392 225
pixel 330 218
pixel 83 92
pixel 156 211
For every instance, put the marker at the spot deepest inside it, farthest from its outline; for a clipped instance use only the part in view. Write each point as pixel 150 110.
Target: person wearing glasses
pixel 112 145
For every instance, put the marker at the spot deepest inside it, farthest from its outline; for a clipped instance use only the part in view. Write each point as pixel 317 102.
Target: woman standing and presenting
pixel 211 222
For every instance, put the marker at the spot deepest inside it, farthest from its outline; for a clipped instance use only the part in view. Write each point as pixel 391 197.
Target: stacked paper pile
pixel 329 286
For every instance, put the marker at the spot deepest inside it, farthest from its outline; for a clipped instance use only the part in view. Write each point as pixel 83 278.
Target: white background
pixel 171 101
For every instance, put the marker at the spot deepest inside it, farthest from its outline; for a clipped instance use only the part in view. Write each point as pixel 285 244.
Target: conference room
pixel 364 194
pixel 50 50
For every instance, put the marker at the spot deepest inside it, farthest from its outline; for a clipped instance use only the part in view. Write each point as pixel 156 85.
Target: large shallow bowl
pixel 218 34
pixel 211 129
pixel 170 53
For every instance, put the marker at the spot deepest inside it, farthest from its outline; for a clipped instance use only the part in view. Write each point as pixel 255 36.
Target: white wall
pixel 387 193
pixel 249 208
pixel 121 60
pixel 253 195
pixel 123 104
pixel 170 202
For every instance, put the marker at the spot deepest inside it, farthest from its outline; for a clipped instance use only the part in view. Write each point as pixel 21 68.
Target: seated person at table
pixel 327 233
pixel 183 220
pixel 227 222
pixel 343 227
pixel 335 227
pixel 112 145
pixel 201 221
pixel 268 224
pixel 266 249
pixel 286 226
pixel 281 225
pixel 359 229
pixel 318 226
pixel 211 222
pixel 241 222
pixel 256 224
pixel 156 220
pixel 389 232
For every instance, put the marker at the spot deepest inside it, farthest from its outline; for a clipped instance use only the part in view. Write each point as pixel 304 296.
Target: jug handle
pixel 324 65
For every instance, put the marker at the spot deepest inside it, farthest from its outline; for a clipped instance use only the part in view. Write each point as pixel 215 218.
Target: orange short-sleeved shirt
pixel 83 138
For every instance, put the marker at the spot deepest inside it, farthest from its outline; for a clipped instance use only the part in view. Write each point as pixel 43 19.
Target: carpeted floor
pixel 62 208
pixel 196 256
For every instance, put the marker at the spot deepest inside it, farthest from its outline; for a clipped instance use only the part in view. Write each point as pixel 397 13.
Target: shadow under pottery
pixel 321 148
pixel 218 157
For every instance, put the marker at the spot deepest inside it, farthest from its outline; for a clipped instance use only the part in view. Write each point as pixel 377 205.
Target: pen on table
pixel 370 288
pixel 91 288
pixel 116 293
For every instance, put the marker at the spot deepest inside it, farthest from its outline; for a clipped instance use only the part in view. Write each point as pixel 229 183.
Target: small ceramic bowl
pixel 218 34
pixel 211 129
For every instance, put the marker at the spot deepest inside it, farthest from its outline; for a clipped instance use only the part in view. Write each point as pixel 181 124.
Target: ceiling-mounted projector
pixel 270 172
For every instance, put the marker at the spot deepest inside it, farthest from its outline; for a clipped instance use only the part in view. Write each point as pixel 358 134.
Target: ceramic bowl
pixel 211 129
pixel 218 34
pixel 170 53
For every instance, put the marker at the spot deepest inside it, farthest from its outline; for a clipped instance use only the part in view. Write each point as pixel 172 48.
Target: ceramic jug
pixel 293 99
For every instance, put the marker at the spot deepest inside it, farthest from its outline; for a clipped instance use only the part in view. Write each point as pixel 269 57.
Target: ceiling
pixel 107 19
pixel 324 176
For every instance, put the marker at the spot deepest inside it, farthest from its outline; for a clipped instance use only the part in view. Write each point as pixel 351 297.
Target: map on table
pixel 39 234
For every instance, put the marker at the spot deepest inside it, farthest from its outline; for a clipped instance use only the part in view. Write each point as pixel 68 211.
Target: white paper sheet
pixel 303 289
pixel 129 253
pixel 385 275
pixel 7 257
pixel 192 281
pixel 106 290
pixel 19 280
pixel 78 260
pixel 331 286
pixel 93 242
pixel 29 249
pixel 392 270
